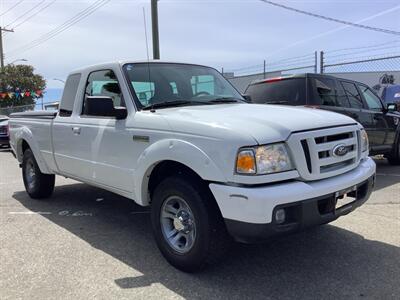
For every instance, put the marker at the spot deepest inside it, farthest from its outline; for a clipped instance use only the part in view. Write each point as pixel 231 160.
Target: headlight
pixel 364 140
pixel 263 160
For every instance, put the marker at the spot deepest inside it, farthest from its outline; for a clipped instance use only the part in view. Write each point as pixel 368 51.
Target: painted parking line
pixel 29 213
pixel 10 182
pixel 388 174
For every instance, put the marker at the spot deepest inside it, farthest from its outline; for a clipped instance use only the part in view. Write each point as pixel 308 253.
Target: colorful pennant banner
pixel 17 95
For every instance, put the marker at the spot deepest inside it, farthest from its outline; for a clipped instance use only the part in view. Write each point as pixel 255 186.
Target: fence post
pixel 264 69
pixel 322 62
pixel 316 62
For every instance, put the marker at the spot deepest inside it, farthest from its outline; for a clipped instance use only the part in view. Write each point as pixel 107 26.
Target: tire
pixel 37 184
pixel 394 158
pixel 203 236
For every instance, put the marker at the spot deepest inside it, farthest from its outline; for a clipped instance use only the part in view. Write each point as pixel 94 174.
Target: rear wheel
pixel 187 225
pixel 37 184
pixel 394 158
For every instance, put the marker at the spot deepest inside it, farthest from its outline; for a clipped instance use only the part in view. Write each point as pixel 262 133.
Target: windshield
pixel 156 84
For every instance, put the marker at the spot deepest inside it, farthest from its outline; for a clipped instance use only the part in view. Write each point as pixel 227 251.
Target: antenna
pixel 147 52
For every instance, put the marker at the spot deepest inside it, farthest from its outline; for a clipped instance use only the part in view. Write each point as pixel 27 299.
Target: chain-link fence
pixel 241 77
pixel 384 57
pixel 6 111
pixel 366 64
pixel 381 63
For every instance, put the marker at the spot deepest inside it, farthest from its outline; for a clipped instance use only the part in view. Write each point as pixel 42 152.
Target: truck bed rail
pixel 35 114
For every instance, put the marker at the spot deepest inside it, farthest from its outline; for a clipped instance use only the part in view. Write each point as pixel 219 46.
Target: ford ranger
pixel 180 139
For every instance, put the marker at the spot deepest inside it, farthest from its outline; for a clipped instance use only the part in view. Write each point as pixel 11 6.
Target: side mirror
pixel 103 106
pixel 247 98
pixel 392 107
pixel 120 113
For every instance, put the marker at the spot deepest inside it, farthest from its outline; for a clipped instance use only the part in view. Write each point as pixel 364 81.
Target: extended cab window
pixel 373 102
pixel 286 91
pixel 69 94
pixel 104 83
pixel 352 94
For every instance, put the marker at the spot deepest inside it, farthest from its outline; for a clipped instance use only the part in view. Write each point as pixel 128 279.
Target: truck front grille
pixel 324 153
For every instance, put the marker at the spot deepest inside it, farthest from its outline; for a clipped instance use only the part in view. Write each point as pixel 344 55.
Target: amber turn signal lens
pixel 246 163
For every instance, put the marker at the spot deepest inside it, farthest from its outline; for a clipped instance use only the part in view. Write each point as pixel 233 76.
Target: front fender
pixel 24 134
pixel 173 150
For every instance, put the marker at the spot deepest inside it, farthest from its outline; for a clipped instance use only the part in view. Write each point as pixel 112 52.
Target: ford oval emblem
pixel 340 150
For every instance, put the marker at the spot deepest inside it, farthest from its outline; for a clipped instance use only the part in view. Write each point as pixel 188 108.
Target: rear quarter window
pixel 325 91
pixel 287 92
pixel 69 95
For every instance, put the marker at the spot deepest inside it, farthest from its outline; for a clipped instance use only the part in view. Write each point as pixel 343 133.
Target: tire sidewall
pixel 196 256
pixel 28 157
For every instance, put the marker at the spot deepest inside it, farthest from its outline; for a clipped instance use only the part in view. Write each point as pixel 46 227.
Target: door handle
pixel 76 130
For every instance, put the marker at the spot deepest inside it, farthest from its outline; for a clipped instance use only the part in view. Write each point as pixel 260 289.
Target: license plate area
pixel 345 197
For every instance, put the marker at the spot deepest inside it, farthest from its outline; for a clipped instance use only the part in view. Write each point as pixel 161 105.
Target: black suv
pixel 343 96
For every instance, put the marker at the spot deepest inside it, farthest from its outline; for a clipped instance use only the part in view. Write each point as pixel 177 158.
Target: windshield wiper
pixel 226 100
pixel 168 104
pixel 276 102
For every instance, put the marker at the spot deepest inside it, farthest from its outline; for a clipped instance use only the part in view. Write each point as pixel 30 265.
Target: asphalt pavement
pixel 86 243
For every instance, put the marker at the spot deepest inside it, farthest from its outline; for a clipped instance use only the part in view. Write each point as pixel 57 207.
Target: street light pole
pixel 1 45
pixel 20 59
pixel 63 81
pixel 154 26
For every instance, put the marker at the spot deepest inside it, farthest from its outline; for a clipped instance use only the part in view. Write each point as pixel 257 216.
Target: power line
pixel 78 17
pixel 64 26
pixel 20 16
pixel 331 19
pixel 364 47
pixel 364 51
pixel 31 16
pixel 12 7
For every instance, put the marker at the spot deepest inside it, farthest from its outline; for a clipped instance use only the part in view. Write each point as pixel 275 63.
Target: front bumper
pixel 249 211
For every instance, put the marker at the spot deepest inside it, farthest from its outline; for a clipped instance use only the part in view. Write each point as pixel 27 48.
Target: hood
pixel 264 123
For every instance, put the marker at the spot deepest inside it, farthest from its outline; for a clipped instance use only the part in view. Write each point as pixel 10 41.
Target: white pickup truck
pixel 213 168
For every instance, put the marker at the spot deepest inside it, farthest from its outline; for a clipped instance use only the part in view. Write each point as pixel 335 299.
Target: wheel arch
pixel 169 157
pixel 24 141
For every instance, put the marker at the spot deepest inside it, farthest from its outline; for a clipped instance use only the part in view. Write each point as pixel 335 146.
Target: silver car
pixel 4 132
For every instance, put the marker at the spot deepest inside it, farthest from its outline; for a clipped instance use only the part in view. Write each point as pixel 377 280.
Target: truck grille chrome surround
pixel 324 153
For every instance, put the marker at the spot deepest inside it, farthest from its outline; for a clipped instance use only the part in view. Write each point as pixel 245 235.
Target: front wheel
pixel 187 225
pixel 37 184
pixel 394 158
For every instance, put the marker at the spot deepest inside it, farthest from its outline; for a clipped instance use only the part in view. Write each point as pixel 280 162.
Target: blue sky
pixel 230 34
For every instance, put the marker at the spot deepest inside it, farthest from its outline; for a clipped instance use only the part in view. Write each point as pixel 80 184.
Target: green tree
pixel 20 78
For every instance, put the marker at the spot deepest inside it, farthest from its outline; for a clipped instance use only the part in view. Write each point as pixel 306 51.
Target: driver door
pixel 106 138
pixel 377 114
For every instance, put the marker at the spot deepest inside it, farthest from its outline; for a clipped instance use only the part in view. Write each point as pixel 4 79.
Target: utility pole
pixel 316 62
pixel 154 26
pixel 1 45
pixel 265 69
pixel 321 62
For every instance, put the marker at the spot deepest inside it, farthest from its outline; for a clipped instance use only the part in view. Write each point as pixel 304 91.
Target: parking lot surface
pixel 87 243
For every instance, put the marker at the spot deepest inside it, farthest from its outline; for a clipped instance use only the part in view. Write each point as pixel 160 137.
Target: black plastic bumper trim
pixel 301 215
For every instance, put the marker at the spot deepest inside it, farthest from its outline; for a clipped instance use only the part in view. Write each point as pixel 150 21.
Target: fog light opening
pixel 280 216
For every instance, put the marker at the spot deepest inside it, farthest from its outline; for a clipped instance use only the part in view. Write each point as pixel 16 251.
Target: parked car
pixel 4 134
pixel 210 166
pixel 347 97
pixel 391 94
